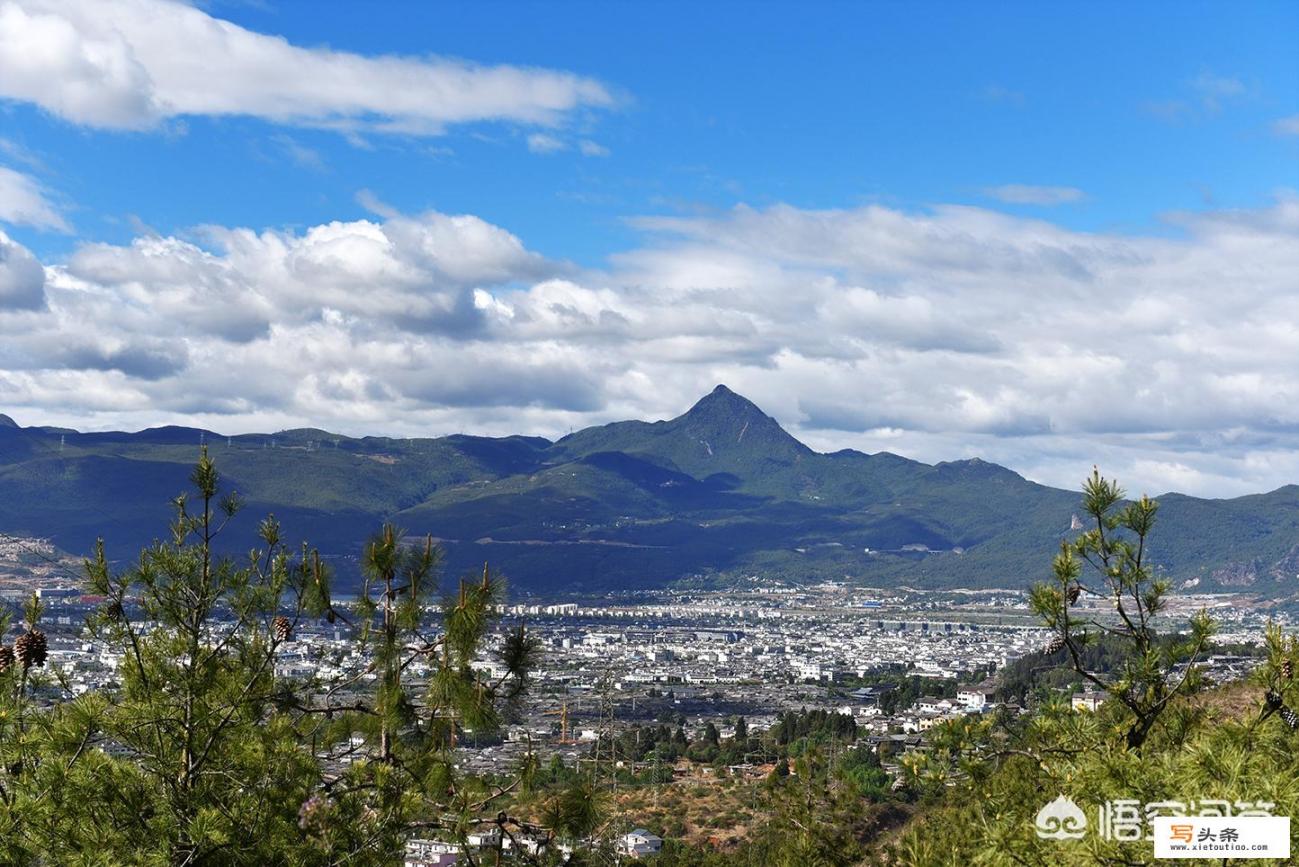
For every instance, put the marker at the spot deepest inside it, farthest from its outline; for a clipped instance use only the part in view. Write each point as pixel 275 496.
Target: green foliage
pixel 747 502
pixel 189 761
pixel 860 768
pixel 1157 738
pixel 1216 746
pixel 1115 553
pixel 678 854
pixel 201 755
pixel 1035 675
pixel 817 726
pixel 410 779
pixel 905 691
pixel 815 816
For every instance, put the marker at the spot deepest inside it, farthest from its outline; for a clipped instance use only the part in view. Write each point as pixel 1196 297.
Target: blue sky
pixel 816 105
pixel 545 188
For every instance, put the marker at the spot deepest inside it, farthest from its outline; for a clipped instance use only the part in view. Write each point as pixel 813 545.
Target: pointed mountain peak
pixel 722 433
pixel 725 421
pixel 722 398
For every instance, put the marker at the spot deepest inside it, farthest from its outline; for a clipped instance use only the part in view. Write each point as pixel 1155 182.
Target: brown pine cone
pixel 1072 593
pixel 313 815
pixel 1273 699
pixel 114 610
pixel 1290 717
pixel 31 648
pixel 6 658
pixel 281 628
pixel 1056 645
pixel 1287 669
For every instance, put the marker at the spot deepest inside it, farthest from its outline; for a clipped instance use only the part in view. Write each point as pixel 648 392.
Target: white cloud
pixel 996 93
pixel 1214 89
pixel 129 64
pixel 22 279
pixel 544 143
pixel 375 205
pixel 19 154
pixel 540 143
pixel 940 334
pixel 1287 125
pixel 1025 194
pixel 412 273
pixel 1211 93
pixel 24 202
pixel 299 154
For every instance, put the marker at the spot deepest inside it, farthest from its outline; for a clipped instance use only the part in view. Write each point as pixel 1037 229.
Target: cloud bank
pixel 131 64
pixel 940 334
pixel 24 202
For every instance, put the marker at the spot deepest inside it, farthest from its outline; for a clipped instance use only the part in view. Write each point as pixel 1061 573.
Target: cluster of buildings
pixel 638 843
pixel 688 660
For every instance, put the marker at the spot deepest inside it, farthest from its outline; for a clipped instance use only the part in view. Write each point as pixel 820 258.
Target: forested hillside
pixel 721 490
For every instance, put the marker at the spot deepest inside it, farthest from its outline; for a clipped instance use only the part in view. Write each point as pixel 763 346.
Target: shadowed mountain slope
pixel 721 489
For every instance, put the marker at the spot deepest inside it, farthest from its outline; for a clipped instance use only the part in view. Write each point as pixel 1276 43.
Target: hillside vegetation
pixel 1214 746
pixel 722 489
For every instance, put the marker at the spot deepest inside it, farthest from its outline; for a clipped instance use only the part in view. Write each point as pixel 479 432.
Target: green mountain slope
pixel 720 489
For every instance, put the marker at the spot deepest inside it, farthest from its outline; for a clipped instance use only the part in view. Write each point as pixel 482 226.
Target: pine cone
pixel 6 658
pixel 1056 645
pixel 1072 593
pixel 1287 669
pixel 114 610
pixel 313 815
pixel 31 648
pixel 1291 718
pixel 281 628
pixel 1273 699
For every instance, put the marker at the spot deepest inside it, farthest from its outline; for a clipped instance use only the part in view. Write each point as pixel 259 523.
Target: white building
pixel 974 699
pixel 431 853
pixel 1087 700
pixel 640 843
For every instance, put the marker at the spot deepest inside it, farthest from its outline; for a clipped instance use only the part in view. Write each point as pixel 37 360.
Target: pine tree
pixel 188 760
pixel 199 754
pixel 405 776
pixel 1116 553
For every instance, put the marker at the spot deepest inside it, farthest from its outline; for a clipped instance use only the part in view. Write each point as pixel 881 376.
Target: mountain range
pixel 719 492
